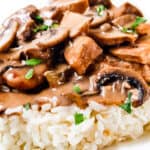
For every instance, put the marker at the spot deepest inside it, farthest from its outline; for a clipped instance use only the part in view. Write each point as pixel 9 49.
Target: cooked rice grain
pixel 55 129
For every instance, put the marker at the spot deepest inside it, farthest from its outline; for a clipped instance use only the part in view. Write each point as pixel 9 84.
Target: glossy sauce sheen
pixel 80 42
pixel 107 96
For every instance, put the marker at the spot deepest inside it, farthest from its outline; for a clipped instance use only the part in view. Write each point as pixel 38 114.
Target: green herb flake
pixel 29 74
pixel 40 28
pixel 100 9
pixel 27 106
pixel 33 62
pixel 54 26
pixel 78 118
pixel 137 22
pixel 76 89
pixel 126 30
pixel 39 19
pixel 127 105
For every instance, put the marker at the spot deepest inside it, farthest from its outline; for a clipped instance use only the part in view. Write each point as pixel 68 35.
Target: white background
pixel 9 6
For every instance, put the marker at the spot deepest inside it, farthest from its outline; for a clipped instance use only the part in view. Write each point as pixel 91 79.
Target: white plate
pixel 9 6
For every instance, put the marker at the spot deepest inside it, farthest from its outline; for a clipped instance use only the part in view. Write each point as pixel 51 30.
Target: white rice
pixel 55 129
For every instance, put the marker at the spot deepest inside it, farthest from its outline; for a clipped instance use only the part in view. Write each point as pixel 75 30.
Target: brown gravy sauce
pixel 108 95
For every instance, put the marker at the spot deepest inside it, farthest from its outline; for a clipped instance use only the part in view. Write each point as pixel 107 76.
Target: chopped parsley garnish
pixel 100 9
pixel 29 74
pixel 76 89
pixel 27 106
pixel 54 26
pixel 78 118
pixel 127 105
pixel 39 19
pixel 126 30
pixel 137 22
pixel 33 62
pixel 40 28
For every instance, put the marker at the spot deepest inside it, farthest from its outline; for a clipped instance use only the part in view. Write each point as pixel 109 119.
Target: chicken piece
pixel 139 53
pixel 116 81
pixel 24 18
pixel 73 5
pixel 7 36
pixel 15 77
pixel 75 23
pixel 81 53
pixel 109 35
pixel 51 37
pixel 97 19
pixel 126 8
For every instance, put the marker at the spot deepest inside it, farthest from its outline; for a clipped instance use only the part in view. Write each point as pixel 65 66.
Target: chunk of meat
pixel 110 35
pixel 75 23
pixel 120 81
pixel 15 77
pixel 124 20
pixel 26 23
pixel 51 37
pixel 73 5
pixel 139 53
pixel 126 8
pixel 7 36
pixel 96 19
pixel 81 53
pixel 106 3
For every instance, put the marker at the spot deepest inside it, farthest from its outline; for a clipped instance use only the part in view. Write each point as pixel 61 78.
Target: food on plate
pixel 74 75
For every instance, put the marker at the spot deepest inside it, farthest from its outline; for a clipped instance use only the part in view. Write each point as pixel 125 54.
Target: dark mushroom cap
pixel 112 74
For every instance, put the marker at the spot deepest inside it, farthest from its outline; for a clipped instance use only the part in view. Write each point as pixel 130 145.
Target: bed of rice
pixel 54 128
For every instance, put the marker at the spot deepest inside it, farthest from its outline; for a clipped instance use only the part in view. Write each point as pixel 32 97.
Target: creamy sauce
pixel 110 94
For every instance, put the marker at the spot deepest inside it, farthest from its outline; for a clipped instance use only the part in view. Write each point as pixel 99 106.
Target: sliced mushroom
pixel 124 20
pixel 24 18
pixel 15 77
pixel 75 5
pixel 81 53
pixel 115 83
pixel 59 75
pixel 51 37
pixel 109 35
pixel 126 8
pixel 23 50
pixel 139 53
pixel 7 36
pixel 79 24
pixel 77 99
pixel 146 73
pixel 48 13
pixel 28 51
pixel 106 3
pixel 96 19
